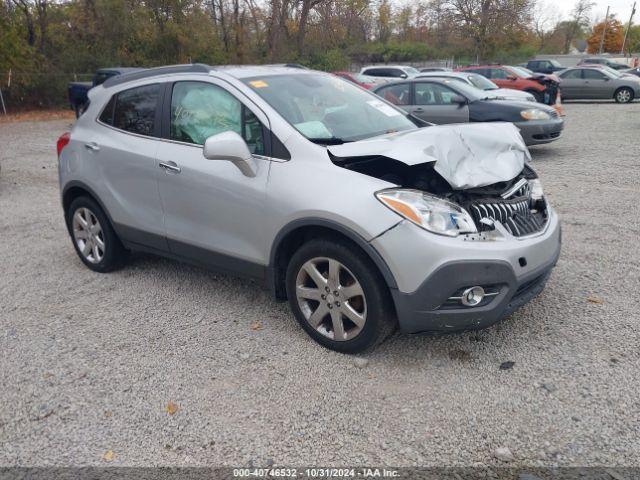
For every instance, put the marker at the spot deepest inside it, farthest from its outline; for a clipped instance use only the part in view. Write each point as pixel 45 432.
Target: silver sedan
pixel 596 83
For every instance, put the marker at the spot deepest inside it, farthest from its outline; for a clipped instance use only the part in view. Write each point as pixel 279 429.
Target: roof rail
pixel 152 72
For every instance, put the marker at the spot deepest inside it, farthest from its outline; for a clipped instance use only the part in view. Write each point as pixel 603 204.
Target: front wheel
pixel 338 296
pixel 539 96
pixel 623 95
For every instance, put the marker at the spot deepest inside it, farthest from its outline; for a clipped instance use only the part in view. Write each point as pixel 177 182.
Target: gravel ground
pixel 90 362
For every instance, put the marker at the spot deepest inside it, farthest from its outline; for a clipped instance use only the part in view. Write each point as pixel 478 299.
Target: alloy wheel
pixel 331 298
pixel 624 96
pixel 88 235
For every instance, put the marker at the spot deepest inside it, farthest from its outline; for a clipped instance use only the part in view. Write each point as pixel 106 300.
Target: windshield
pixel 521 72
pixel 612 72
pixel 327 109
pixel 555 63
pixel 411 70
pixel 483 83
pixel 466 90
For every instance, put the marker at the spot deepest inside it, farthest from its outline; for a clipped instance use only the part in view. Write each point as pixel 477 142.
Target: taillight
pixel 63 141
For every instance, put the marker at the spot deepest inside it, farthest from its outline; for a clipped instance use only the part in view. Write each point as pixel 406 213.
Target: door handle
pixel 92 146
pixel 170 167
pixel 419 109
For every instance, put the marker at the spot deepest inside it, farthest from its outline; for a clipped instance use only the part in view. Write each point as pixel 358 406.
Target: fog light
pixel 472 296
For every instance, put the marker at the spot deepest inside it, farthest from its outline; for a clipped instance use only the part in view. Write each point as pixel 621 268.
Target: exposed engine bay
pixel 517 204
pixel 481 167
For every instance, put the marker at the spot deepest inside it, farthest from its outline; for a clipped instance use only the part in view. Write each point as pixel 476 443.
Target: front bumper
pixel 536 132
pixel 517 269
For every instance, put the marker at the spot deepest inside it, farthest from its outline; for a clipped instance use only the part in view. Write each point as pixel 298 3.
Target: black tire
pixel 539 96
pixel 114 253
pixel 380 321
pixel 623 95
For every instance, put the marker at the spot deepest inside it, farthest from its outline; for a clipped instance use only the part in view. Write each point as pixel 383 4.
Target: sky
pixel 622 9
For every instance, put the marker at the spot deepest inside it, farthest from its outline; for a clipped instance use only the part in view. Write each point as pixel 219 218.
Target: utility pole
pixel 604 30
pixel 626 32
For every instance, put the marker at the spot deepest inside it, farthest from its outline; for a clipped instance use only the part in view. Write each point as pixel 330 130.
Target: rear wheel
pixel 339 297
pixel 623 95
pixel 93 237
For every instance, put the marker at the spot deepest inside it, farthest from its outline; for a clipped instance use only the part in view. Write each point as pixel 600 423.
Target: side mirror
pixel 403 75
pixel 230 146
pixel 511 77
pixel 459 99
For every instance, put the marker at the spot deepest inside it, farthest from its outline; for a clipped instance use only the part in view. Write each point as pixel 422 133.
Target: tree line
pixel 45 42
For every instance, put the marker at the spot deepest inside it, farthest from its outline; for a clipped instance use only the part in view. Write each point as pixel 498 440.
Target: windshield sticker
pixel 313 129
pixel 384 108
pixel 258 84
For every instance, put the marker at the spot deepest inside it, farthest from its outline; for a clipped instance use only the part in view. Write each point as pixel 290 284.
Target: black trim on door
pixel 142 241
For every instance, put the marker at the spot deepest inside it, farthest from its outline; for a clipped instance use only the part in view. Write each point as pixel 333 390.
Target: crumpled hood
pixel 466 155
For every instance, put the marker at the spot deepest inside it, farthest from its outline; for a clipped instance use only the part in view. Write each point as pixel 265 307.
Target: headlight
pixel 427 211
pixel 534 114
pixel 536 189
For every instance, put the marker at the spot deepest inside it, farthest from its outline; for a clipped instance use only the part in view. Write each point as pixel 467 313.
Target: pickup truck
pixel 78 90
pixel 544 66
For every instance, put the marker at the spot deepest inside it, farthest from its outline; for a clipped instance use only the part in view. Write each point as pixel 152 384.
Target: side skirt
pixel 140 241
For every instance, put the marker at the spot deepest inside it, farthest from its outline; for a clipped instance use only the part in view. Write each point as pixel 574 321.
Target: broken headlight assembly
pixel 535 187
pixel 534 114
pixel 428 211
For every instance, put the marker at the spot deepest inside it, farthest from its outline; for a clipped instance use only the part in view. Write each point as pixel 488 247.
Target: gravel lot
pixel 89 362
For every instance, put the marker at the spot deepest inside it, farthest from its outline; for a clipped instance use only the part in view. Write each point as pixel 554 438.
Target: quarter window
pixel 135 110
pixel 200 110
pixel 107 114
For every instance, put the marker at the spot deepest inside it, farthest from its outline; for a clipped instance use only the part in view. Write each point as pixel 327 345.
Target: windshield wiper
pixel 329 141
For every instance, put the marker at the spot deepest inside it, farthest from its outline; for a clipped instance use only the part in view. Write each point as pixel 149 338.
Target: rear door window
pixel 135 110
pixel 434 94
pixel 497 73
pixel 375 72
pixel 593 75
pixel 572 74
pixel 396 94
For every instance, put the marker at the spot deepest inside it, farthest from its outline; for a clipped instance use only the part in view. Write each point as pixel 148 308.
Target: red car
pixel 362 80
pixel 543 87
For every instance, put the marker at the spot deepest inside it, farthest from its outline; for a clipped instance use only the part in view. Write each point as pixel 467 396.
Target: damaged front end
pixel 468 179
pixel 551 84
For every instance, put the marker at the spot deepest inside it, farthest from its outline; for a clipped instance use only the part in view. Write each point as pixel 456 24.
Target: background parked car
pixel 603 61
pixel 482 83
pixel 543 87
pixel 389 72
pixel 358 79
pixel 544 66
pixel 436 69
pixel 78 90
pixel 448 101
pixel 633 71
pixel 591 83
pixel 615 72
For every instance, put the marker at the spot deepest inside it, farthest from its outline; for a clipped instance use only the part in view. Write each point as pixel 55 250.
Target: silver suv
pixel 363 217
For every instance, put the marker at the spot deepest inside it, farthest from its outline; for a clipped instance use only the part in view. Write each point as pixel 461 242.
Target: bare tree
pixel 579 20
pixel 544 18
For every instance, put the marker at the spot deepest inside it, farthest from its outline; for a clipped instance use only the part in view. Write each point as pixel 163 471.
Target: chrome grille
pixel 514 214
